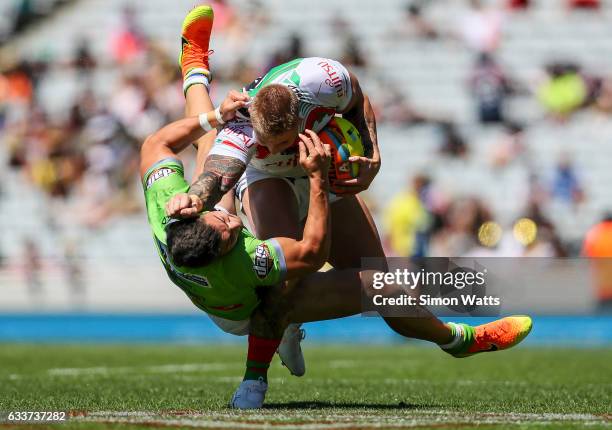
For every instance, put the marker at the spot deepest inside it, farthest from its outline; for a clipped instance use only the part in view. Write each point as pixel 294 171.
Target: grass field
pixel 346 387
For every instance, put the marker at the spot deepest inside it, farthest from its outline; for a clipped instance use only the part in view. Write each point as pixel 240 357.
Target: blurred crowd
pixel 17 15
pixel 85 158
pixel 423 220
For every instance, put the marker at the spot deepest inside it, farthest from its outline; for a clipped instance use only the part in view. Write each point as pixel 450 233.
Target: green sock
pixel 463 338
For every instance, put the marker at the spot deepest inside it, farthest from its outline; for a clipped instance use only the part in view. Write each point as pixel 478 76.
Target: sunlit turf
pixel 402 385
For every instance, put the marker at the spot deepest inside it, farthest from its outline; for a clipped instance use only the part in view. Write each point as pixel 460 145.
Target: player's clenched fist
pixel 184 206
pixel 314 155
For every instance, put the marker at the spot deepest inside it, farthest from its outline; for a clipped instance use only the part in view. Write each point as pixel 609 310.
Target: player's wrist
pixel 205 123
pixel 211 120
pixel 319 180
pixel 219 116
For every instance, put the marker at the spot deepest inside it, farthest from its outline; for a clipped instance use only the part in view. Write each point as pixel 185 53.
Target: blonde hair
pixel 274 110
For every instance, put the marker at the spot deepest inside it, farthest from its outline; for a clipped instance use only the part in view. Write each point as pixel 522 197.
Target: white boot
pixel 290 351
pixel 249 395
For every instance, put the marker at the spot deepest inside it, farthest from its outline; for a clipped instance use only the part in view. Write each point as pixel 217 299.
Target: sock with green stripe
pixel 261 352
pixel 196 76
pixel 463 337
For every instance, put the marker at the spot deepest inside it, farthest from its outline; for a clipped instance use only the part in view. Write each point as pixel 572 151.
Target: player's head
pixel 274 115
pixel 197 242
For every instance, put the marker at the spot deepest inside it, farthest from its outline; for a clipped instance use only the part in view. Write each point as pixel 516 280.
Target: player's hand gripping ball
pixel 345 142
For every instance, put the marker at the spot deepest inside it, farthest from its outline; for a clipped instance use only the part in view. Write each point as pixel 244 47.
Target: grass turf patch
pixel 395 386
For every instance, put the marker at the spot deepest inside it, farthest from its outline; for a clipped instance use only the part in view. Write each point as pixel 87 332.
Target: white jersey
pixel 323 88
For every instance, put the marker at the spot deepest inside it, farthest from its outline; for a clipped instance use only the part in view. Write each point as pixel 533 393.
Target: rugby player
pixel 229 273
pixel 197 26
pixel 256 153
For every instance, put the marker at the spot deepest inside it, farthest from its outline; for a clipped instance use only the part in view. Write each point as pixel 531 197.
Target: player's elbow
pixel 151 143
pixel 315 254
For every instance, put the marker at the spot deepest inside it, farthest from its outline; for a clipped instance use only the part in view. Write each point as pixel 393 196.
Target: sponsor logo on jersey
pixel 240 132
pixel 173 271
pixel 334 81
pixel 238 136
pixel 263 261
pixel 198 279
pixel 159 174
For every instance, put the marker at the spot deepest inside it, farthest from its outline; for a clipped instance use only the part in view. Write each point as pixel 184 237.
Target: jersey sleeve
pixel 269 266
pixel 161 182
pixel 328 80
pixel 236 139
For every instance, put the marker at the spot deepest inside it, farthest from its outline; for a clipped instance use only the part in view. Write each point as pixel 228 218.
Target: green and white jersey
pixel 323 88
pixel 226 287
pixel 318 83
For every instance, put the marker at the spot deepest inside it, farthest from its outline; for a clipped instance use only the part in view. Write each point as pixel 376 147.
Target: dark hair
pixel 192 243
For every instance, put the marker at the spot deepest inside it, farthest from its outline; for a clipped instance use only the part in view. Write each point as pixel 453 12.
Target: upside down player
pixel 256 154
pixel 227 272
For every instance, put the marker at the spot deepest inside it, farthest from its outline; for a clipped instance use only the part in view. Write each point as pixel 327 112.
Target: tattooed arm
pixel 218 179
pixel 361 114
pixel 220 175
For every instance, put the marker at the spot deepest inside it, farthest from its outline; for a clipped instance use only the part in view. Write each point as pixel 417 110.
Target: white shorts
pixel 238 328
pixel 300 187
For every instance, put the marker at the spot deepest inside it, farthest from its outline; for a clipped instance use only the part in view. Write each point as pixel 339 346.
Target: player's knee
pixel 273 313
pixel 263 324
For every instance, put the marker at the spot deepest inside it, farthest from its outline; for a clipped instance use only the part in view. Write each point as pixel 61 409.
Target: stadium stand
pixel 431 74
pixel 17 15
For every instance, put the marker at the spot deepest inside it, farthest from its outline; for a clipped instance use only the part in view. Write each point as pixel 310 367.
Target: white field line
pixel 457 382
pixel 396 381
pixel 315 420
pixel 341 364
pixel 104 370
pixel 393 381
pixel 166 368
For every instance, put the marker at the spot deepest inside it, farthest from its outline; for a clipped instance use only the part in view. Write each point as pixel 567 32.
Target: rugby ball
pixel 344 141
